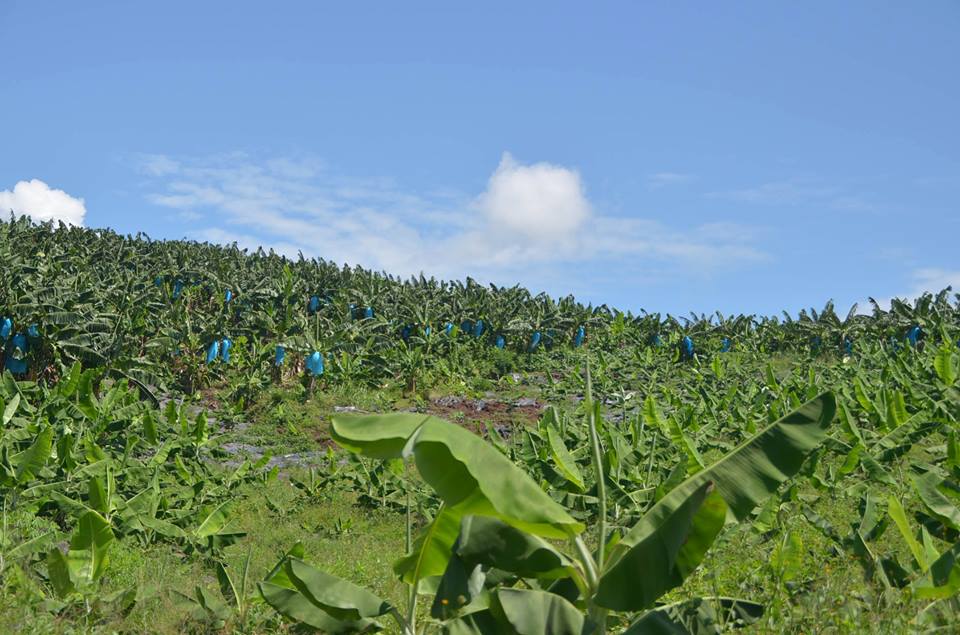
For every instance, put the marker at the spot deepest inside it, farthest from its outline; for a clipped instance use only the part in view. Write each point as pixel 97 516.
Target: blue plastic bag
pixel 579 337
pixel 279 354
pixel 725 345
pixel 369 312
pixel 448 329
pixel 158 281
pixel 535 341
pixel 847 346
pixel 315 364
pixel 16 355
pixel 213 351
pixel 913 335
pixel 426 331
pixel 5 327
pixel 478 328
pixel 501 342
pixel 228 296
pixel 225 347
pixel 466 326
pixel 686 347
pixel 656 341
pixel 405 333
pixel 314 304
pixel 33 331
pixel 177 289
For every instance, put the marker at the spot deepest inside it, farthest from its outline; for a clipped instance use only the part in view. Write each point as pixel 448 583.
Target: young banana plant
pixel 490 557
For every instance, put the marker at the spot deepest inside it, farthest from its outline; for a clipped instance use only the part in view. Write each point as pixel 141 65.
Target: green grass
pixel 345 539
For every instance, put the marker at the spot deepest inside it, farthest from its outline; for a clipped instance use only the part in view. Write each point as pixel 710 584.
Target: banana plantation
pixel 203 439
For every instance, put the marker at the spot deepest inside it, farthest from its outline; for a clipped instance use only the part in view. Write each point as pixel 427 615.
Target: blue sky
pixel 748 157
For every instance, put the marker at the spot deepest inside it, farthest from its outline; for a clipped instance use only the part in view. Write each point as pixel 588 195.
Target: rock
pixel 450 401
pixel 295 459
pixel 345 409
pixel 504 430
pixel 526 402
pixel 242 448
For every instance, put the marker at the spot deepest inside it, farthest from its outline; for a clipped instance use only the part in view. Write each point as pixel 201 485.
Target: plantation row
pixel 162 313
pixel 692 475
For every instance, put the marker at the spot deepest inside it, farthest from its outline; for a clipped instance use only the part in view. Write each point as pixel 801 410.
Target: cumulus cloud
pixel 41 203
pixel 539 201
pixel 531 217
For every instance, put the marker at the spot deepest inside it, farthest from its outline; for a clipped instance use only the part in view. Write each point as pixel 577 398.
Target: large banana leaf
pixel 466 472
pixel 756 468
pixel 742 480
pixel 529 612
pixel 485 544
pixel 431 550
pixel 327 603
pixel 661 551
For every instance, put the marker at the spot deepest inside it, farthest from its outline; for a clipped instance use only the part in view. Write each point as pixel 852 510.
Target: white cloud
pixel 538 202
pixel 35 199
pixel 530 217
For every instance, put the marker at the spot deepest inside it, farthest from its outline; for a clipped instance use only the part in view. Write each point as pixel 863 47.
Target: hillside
pixel 192 432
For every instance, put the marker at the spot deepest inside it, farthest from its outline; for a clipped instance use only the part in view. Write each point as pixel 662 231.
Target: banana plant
pixel 489 556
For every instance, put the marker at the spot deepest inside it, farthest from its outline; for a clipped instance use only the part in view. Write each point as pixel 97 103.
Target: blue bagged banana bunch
pixel 913 335
pixel 725 345
pixel 405 333
pixel 278 355
pixel 225 347
pixel 535 341
pixel 33 331
pixel 16 354
pixel 314 364
pixel 656 341
pixel 5 327
pixel 213 351
pixel 466 326
pixel 847 346
pixel 501 342
pixel 177 289
pixel 686 347
pixel 228 296
pixel 448 329
pixel 426 331
pixel 314 304
pixel 579 337
pixel 478 328
pixel 368 312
